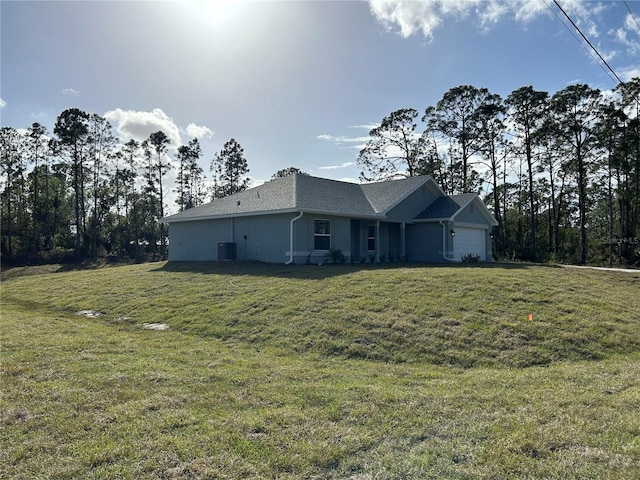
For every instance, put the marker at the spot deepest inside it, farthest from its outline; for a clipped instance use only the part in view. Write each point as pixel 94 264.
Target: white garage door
pixel 468 240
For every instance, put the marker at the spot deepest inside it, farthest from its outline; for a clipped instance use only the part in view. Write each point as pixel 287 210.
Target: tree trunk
pixel 162 239
pixel 35 202
pixel 582 205
pixel 77 191
pixel 532 213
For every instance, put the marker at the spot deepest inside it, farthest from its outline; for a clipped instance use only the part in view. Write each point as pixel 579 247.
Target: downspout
pixel 403 241
pixel 444 243
pixel 290 261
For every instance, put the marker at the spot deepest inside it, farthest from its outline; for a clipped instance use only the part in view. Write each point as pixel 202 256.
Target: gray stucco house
pixel 299 218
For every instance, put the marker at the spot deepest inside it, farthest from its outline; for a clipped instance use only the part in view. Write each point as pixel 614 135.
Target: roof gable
pixel 385 195
pixel 446 208
pixel 443 207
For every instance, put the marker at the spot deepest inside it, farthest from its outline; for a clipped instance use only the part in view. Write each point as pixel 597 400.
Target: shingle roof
pixel 304 192
pixel 384 195
pixel 331 196
pixel 445 207
pixel 271 196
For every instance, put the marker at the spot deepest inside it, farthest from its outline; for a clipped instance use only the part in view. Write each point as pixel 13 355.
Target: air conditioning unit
pixel 227 251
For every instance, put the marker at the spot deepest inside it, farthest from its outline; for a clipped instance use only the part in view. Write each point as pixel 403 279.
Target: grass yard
pixel 361 372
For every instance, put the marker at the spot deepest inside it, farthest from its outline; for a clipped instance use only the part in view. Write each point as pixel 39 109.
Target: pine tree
pixel 394 148
pixel 230 168
pixel 72 130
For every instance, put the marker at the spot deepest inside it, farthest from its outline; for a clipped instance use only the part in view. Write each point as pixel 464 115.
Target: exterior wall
pixel 304 238
pixel 262 237
pixel 488 242
pixel 471 214
pixel 198 240
pixel 267 238
pixel 413 204
pixel 424 242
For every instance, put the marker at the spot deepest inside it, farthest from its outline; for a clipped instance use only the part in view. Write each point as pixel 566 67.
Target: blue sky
pixel 295 83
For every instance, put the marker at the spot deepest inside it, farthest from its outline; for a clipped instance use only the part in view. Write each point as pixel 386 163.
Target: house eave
pixel 169 220
pixel 432 220
pixel 342 214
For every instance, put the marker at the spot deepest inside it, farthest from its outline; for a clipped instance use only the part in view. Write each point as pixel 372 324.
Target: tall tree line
pixel 560 172
pixel 78 192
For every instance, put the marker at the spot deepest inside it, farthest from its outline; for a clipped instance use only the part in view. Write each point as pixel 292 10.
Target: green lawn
pixel 370 372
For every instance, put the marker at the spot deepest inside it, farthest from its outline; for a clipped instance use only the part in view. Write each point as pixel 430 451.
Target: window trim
pixel 317 236
pixel 371 238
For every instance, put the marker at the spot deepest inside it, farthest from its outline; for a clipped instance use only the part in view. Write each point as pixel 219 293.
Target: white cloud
pixel 343 140
pixel 2 103
pixel 592 30
pixel 197 131
pixel 493 12
pixel 423 18
pixel 71 91
pixel 629 35
pixel 367 126
pixel 608 55
pixel 336 167
pixel 131 124
pixel 255 182
pixel 527 11
pixel 627 74
pixel 410 17
pixel 621 36
pixel 349 180
pixel 631 24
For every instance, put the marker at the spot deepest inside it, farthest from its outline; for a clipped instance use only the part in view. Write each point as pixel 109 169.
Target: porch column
pixel 377 240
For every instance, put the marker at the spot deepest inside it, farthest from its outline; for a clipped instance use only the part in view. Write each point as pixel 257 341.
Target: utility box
pixel 227 251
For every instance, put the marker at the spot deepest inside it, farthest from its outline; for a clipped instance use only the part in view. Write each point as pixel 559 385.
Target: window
pixel 322 235
pixel 371 238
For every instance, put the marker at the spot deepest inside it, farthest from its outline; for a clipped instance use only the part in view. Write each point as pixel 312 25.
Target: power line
pixel 632 14
pixel 587 40
pixel 573 33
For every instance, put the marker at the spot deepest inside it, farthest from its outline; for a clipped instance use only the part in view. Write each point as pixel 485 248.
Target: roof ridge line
pixel 367 197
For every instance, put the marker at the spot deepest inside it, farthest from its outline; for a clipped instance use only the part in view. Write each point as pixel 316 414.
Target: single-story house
pixel 300 218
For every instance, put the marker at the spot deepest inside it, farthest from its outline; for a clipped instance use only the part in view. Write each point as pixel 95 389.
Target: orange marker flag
pixel 531 317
